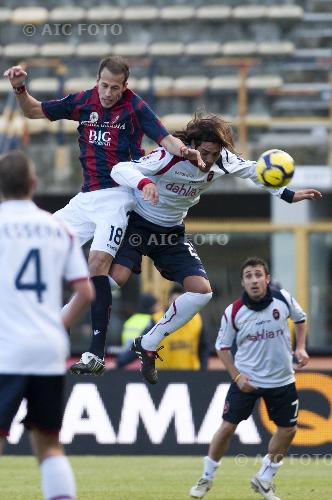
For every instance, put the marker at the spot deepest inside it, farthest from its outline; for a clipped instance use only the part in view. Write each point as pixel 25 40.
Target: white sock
pixel 65 308
pixel 58 480
pixel 113 283
pixel 210 468
pixel 177 315
pixel 268 469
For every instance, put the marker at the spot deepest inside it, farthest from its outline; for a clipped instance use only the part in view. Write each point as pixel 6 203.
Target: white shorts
pixel 101 216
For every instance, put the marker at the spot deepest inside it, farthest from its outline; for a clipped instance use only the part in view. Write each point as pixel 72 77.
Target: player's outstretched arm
pixel 307 194
pixel 30 106
pixel 176 147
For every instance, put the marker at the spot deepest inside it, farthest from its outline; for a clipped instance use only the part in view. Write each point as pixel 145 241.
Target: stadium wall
pixel 119 414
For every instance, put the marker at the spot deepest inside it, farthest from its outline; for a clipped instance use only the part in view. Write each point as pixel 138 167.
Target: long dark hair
pixel 207 127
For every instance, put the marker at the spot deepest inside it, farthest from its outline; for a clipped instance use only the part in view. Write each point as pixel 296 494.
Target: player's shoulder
pixel 135 101
pixel 233 309
pixel 282 295
pixel 230 161
pixel 63 226
pixel 88 96
pixel 129 96
pixel 160 155
pixel 82 97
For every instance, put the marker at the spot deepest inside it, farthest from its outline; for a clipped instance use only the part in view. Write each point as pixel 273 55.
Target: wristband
pixel 20 90
pixel 144 182
pixel 235 379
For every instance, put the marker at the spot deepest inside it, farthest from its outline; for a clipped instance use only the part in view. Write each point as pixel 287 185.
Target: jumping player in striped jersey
pixel 37 252
pixel 262 368
pixel 112 120
pixel 157 230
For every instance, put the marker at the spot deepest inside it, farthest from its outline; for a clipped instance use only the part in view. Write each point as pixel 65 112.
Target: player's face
pixel 110 88
pixel 210 152
pixel 255 281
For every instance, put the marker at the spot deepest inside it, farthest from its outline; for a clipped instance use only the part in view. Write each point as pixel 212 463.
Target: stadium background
pixel 265 66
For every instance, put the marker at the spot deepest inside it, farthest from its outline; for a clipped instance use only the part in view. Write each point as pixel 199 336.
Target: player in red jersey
pixel 112 121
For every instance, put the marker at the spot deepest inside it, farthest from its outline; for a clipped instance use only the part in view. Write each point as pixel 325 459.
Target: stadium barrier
pixel 119 414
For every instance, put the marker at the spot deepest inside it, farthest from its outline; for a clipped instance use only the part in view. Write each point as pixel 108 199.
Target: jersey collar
pixel 260 304
pixel 17 205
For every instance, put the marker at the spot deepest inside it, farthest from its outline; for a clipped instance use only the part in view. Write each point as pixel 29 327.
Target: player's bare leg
pixel 217 449
pixel 57 476
pixel 92 361
pixel 198 294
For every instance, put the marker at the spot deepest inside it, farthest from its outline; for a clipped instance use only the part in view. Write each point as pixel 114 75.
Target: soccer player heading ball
pixel 172 186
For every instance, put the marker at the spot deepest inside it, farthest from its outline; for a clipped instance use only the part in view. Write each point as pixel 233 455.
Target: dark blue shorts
pixel 282 404
pixel 45 401
pixel 174 257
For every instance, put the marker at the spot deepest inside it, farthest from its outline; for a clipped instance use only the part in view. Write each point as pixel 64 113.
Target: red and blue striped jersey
pixel 106 135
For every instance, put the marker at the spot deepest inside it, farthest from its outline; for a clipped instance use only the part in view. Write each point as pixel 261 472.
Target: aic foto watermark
pixel 69 29
pixel 166 239
pixel 304 459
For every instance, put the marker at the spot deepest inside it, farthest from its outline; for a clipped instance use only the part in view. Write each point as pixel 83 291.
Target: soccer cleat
pixel 147 359
pixel 89 364
pixel 265 488
pixel 201 487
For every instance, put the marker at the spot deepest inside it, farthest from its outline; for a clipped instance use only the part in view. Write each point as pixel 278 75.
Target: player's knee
pixel 99 263
pixel 200 285
pixel 206 294
pixel 119 276
pixel 227 429
pixel 292 431
pixel 206 288
pixel 288 432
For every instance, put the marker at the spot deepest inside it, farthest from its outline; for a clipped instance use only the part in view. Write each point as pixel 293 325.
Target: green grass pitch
pixel 166 478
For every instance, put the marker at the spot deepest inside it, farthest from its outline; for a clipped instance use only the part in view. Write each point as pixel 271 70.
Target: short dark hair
pixel 255 261
pixel 205 127
pixel 15 174
pixel 116 65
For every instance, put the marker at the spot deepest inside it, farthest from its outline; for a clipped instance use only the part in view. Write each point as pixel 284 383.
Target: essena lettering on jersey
pixel 29 230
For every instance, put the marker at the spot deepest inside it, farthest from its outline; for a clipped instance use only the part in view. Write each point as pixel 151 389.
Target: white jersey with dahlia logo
pixel 179 182
pixel 36 253
pixel 263 339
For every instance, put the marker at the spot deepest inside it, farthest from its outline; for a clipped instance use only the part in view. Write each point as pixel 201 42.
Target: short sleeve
pixel 296 312
pixel 59 109
pixel 76 268
pixel 226 334
pixel 150 123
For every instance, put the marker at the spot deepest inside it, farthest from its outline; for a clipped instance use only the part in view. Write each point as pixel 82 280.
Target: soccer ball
pixel 275 168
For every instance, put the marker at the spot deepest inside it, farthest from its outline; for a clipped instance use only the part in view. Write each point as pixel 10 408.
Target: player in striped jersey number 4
pixel 156 225
pixel 111 123
pixel 262 368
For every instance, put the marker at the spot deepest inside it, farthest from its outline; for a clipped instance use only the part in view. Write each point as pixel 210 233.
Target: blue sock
pixel 100 313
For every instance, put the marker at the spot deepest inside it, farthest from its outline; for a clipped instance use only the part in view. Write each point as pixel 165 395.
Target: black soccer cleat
pixel 147 359
pixel 89 364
